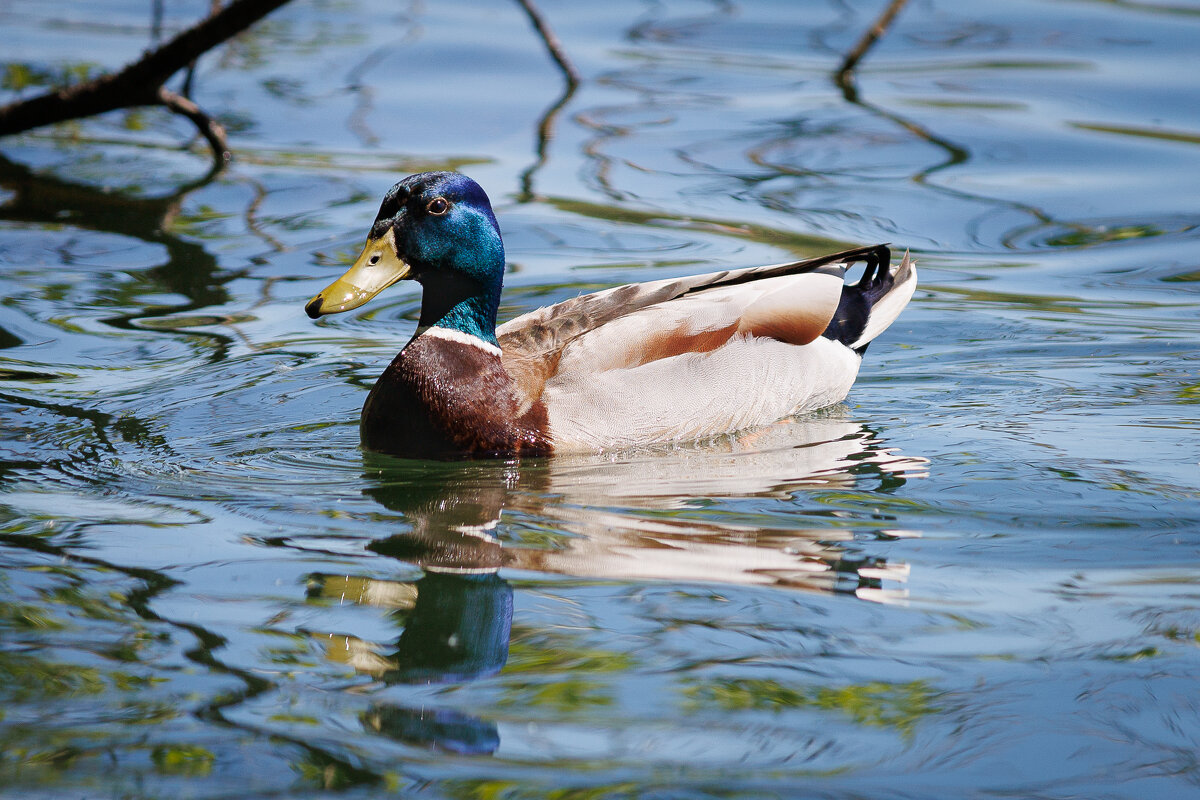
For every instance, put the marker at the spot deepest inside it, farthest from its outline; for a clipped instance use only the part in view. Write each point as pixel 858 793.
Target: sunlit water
pixel 977 577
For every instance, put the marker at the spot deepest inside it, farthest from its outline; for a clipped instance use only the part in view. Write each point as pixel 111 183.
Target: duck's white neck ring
pixel 452 335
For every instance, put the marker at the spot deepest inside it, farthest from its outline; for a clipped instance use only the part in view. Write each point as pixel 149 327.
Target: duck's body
pixel 639 364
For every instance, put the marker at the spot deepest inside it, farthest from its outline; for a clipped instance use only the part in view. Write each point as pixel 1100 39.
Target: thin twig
pixel 209 128
pixel 189 76
pixel 845 74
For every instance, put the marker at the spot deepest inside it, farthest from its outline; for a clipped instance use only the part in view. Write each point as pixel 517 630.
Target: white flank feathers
pixel 749 381
pixel 720 359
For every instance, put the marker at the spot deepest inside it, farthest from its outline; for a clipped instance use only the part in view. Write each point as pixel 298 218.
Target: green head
pixel 436 228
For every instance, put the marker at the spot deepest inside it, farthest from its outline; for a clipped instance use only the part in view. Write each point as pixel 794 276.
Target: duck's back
pixel 701 356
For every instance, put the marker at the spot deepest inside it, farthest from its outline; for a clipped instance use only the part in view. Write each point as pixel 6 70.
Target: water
pixel 977 577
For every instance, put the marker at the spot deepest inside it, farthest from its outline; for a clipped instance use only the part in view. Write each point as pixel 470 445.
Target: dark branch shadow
pixel 189 269
pixel 338 771
pixel 571 80
pixel 845 74
pixel 956 154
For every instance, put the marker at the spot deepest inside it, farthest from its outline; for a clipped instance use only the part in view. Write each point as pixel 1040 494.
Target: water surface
pixel 976 577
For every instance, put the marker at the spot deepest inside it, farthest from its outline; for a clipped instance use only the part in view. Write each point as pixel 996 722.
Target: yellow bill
pixel 376 269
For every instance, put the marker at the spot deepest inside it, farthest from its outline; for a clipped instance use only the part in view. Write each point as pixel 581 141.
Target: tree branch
pixel 210 129
pixel 141 83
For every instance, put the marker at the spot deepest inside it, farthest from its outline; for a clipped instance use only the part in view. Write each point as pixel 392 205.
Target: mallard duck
pixel 646 363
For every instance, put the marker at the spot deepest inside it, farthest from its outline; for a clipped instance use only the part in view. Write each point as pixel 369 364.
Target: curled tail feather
pixel 868 307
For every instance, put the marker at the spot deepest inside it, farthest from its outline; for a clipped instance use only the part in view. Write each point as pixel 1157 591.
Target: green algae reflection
pixel 898 706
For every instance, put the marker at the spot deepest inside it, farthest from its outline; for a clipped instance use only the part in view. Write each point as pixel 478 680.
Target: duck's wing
pixel 638 323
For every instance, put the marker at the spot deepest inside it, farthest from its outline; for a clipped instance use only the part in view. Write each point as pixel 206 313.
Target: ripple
pixel 1085 233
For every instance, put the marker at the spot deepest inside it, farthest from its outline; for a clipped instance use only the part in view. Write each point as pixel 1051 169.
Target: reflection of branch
pixel 141 83
pixel 364 95
pixel 845 75
pixel 156 21
pixel 189 269
pixel 955 153
pixel 544 133
pixel 252 223
pixel 212 710
pixel 546 124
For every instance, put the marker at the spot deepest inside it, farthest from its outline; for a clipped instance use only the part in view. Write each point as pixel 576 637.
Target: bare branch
pixel 141 83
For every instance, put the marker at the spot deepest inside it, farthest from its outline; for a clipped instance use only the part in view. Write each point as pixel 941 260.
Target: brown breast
pixel 442 398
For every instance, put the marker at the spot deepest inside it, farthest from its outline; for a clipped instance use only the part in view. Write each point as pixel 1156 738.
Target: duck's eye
pixel 438 206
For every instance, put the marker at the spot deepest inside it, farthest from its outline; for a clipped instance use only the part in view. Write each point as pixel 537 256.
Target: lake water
pixel 977 577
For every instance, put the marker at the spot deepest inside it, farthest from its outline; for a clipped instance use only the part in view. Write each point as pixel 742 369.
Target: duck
pixel 644 364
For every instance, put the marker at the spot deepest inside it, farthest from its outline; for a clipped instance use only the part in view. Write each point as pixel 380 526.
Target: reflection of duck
pixel 456 628
pixel 457 618
pixel 609 515
pixel 652 362
pixel 610 511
